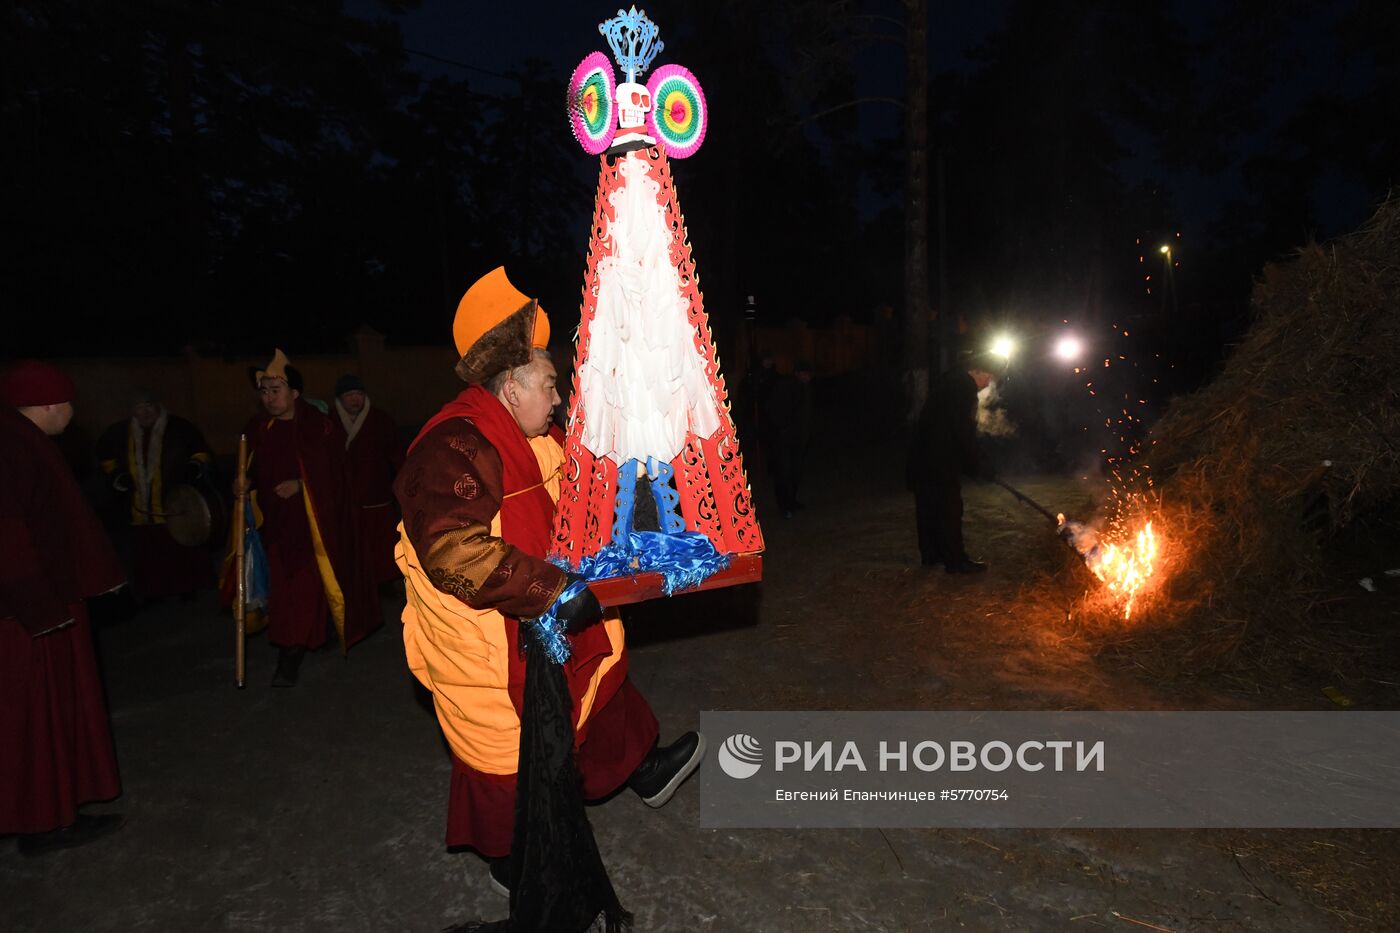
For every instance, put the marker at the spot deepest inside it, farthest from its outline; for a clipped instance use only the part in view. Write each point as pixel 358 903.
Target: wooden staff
pixel 1028 501
pixel 240 593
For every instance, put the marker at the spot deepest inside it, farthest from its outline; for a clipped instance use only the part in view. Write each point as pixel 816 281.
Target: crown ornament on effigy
pixel 632 37
pixel 669 111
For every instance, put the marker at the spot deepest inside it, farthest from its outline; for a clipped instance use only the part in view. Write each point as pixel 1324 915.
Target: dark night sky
pixel 498 37
pixel 1309 63
pixel 495 38
pixel 1063 128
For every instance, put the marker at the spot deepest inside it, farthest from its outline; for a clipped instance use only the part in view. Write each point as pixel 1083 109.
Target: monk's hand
pixel 580 612
pixel 287 488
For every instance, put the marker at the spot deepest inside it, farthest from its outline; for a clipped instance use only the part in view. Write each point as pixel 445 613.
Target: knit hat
pixel 348 383
pixel 495 327
pixel 30 382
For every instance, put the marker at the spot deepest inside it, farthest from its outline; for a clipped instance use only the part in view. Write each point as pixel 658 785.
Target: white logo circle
pixel 740 756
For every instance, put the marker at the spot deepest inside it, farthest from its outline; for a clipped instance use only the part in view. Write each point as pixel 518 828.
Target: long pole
pixel 240 593
pixel 1028 501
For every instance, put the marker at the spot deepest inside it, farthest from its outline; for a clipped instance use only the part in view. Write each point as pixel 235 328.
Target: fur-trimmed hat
pixel 496 327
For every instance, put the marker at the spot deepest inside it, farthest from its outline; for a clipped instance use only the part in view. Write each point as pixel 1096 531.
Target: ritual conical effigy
pixel 649 423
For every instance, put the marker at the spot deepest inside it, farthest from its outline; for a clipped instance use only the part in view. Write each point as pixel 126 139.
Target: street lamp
pixel 1166 251
pixel 1068 348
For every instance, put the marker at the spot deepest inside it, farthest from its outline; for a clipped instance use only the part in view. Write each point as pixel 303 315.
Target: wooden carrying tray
pixel 619 591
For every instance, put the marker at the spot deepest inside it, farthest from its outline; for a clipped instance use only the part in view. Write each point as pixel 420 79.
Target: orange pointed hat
pixel 276 369
pixel 495 327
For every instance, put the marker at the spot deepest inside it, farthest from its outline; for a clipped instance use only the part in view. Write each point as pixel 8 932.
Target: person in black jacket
pixel 787 412
pixel 944 449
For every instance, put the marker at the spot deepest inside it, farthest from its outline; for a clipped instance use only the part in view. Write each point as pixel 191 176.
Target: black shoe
pixel 665 769
pixel 498 869
pixel 966 566
pixel 84 829
pixel 288 667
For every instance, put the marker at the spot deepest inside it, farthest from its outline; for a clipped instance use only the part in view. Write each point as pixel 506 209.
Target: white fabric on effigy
pixel 643 385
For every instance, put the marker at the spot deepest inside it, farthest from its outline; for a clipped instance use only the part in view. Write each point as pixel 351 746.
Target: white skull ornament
pixel 633 103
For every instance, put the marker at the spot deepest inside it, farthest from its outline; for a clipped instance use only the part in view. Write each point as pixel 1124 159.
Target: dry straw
pixel 1245 501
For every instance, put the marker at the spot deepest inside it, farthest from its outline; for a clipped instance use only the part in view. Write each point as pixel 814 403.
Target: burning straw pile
pixel 1297 436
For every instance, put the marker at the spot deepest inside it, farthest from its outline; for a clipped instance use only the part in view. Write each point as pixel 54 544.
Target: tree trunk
pixel 189 265
pixel 947 327
pixel 916 345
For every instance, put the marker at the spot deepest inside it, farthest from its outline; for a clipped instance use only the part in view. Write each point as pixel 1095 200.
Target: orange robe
pixel 468 586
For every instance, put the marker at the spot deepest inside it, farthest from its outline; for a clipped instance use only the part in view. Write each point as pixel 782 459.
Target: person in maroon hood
pixel 373 455
pixel 56 751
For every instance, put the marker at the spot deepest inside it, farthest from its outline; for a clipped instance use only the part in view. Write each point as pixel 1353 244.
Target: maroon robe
pixel 372 458
pixel 306 448
pixel 55 740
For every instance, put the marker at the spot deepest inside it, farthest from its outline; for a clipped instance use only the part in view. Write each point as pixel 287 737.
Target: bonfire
pixel 1124 560
pixel 1297 437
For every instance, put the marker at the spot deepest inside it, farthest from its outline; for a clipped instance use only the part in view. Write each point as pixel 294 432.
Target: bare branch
pixel 884 19
pixel 872 37
pixel 849 104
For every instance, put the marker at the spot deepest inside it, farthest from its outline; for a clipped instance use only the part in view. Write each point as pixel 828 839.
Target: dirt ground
pixel 322 807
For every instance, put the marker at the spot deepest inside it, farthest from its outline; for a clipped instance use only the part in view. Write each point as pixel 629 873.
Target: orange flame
pixel 1126 568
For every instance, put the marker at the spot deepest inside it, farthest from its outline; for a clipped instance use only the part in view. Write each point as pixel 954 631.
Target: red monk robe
pixel 374 453
pixel 55 741
pixel 310 552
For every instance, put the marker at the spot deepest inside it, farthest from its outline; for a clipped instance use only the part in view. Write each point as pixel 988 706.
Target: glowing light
pixel 1126 568
pixel 1069 348
pixel 1004 346
pixel 1166 250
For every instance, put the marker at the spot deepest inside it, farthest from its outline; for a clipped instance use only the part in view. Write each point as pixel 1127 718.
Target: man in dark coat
pixel 55 740
pixel 787 418
pixel 145 458
pixel 297 472
pixel 373 454
pixel 943 450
